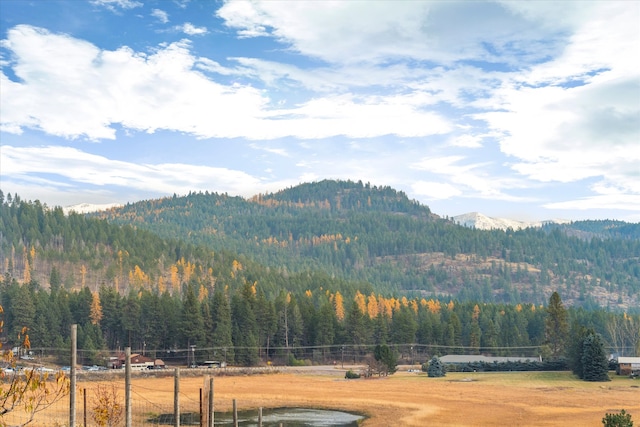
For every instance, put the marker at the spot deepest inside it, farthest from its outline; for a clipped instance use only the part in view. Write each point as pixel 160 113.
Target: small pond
pixel 287 417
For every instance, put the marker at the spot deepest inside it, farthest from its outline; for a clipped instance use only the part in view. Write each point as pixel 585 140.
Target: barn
pixel 628 365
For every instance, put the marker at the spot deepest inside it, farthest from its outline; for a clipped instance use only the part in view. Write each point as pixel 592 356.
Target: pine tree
pixel 244 330
pixel 556 325
pixel 387 357
pixel 436 368
pixel 221 334
pixel 191 324
pixel 594 359
pixel 575 348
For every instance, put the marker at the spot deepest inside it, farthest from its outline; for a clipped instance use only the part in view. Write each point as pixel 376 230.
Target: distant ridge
pixel 483 222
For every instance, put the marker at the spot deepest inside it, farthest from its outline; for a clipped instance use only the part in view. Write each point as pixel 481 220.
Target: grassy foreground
pixel 459 399
pixel 403 399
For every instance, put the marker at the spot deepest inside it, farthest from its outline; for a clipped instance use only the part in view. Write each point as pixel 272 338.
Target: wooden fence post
pixel 127 387
pixel 235 414
pixel 211 416
pixel 72 373
pixel 176 397
pixel 84 411
pixel 201 411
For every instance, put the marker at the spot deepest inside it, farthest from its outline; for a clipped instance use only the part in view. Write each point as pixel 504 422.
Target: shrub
pixel 350 375
pixel 621 419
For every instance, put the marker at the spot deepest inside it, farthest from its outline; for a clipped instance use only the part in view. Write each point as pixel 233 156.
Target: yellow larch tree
pixel 175 280
pixel 476 312
pixel 433 306
pixel 96 309
pixel 414 305
pixel 203 293
pixel 361 302
pixel 338 303
pixel 372 306
pixel 161 286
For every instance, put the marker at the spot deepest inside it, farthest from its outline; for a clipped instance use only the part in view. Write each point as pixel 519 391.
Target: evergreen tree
pixel 191 323
pixel 404 326
pixel 436 368
pixel 244 328
pixel 556 325
pixel 387 357
pixel 324 325
pixel 221 335
pixel 55 280
pixel 575 348
pixel 595 365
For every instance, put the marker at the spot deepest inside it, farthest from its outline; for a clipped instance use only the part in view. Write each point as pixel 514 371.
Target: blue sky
pixel 524 110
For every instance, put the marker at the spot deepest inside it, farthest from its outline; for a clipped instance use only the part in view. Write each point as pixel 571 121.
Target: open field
pixel 407 399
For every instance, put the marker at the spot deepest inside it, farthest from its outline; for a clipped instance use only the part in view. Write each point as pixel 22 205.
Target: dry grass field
pixel 409 398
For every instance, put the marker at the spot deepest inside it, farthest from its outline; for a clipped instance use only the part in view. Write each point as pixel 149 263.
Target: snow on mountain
pixel 483 222
pixel 83 208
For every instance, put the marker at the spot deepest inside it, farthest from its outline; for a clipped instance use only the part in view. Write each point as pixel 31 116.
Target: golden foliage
pixel 372 306
pixel 96 309
pixel 360 301
pixel 338 303
pixel 476 312
pixel 433 306
pixel 29 390
pixel 107 411
pixel 203 293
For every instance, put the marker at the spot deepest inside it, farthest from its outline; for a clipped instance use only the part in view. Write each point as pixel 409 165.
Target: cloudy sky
pixel 524 110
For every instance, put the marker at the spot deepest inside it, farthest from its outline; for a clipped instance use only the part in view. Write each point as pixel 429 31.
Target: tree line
pixel 246 327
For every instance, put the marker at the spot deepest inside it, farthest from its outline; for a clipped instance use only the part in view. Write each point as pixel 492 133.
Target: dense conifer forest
pixel 310 273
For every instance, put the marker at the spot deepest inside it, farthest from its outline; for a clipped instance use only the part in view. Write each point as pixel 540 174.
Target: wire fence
pixel 100 401
pixel 100 395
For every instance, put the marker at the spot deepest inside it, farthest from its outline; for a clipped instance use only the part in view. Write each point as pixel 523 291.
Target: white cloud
pixel 628 202
pixel 161 15
pixel 466 141
pixel 435 190
pixel 122 4
pixel 349 32
pixel 278 151
pixel 163 90
pixel 474 179
pixel 21 165
pixel 192 30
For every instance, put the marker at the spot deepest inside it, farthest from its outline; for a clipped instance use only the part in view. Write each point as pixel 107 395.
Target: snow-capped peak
pixel 483 222
pixel 83 208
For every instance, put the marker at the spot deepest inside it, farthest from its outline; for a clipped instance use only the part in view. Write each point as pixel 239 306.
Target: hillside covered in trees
pixel 377 235
pixel 310 272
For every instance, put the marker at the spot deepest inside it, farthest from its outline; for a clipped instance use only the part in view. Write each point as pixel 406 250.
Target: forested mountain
pixel 603 229
pixel 377 235
pixel 309 272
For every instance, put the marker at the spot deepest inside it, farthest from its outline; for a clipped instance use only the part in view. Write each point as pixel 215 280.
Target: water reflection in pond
pixel 286 417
